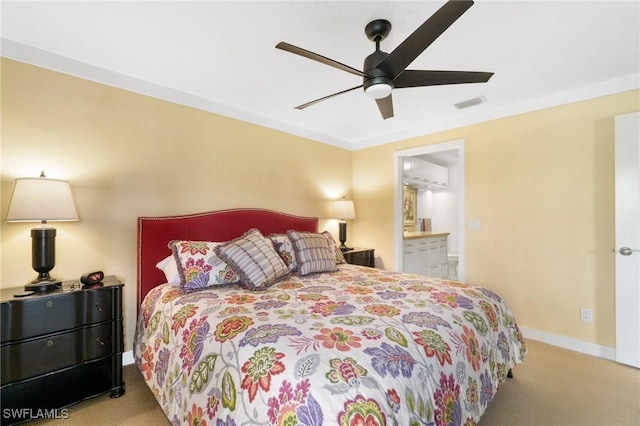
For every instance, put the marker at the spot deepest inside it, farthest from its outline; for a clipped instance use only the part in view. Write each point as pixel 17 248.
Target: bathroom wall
pixel 442 206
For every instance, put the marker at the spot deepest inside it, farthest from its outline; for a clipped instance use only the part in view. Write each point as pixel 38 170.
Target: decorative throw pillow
pixel 170 269
pixel 254 259
pixel 339 256
pixel 313 252
pixel 284 247
pixel 199 266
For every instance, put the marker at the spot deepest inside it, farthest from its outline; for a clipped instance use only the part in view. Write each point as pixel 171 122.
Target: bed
pixel 348 346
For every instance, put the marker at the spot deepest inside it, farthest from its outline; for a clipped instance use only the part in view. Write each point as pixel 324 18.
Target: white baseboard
pixel 569 343
pixel 127 358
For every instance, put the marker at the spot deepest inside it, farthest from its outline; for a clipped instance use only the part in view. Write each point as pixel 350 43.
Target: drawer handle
pixel 49 304
pixel 49 343
pixel 99 340
pixel 99 306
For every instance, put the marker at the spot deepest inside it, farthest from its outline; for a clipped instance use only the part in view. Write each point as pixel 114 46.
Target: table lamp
pixel 42 200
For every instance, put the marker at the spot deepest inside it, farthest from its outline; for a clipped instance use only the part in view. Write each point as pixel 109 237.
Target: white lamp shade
pixel 41 199
pixel 343 209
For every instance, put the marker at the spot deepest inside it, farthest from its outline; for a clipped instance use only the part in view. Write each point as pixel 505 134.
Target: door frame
pixel 457 145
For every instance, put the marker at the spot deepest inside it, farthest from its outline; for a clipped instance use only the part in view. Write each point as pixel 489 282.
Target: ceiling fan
pixel 382 72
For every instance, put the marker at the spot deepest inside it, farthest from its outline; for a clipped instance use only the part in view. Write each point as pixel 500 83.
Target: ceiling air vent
pixel 471 102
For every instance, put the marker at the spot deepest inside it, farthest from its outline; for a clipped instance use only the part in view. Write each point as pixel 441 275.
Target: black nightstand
pixel 360 256
pixel 59 348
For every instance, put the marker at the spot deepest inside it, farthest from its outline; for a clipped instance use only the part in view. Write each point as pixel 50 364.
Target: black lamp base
pixel 43 286
pixel 342 236
pixel 43 259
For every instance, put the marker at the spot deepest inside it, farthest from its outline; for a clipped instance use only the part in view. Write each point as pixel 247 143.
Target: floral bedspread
pixel 359 346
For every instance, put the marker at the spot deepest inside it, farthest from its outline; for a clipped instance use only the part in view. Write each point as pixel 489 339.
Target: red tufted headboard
pixel 154 233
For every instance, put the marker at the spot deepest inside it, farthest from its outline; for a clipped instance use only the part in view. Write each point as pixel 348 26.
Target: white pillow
pixel 170 269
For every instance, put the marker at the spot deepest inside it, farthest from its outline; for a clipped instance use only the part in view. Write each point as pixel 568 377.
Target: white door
pixel 628 239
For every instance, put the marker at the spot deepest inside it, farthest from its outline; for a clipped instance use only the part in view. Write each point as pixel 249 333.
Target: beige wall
pixel 128 155
pixel 542 185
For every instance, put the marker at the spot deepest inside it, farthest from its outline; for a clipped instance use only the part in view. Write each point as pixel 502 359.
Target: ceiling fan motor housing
pixel 374 74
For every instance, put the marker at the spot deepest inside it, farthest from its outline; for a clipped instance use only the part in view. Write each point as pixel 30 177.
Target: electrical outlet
pixel 586 314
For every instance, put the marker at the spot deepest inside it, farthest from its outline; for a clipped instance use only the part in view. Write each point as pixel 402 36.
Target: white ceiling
pixel 221 57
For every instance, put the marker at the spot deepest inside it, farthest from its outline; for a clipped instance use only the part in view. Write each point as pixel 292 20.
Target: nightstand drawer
pixel 49 353
pixel 360 256
pixel 44 315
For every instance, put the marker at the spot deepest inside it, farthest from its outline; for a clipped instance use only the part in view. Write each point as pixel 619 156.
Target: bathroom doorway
pixel 449 216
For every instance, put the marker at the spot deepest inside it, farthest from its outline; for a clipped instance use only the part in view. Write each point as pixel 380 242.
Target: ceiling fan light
pixel 378 91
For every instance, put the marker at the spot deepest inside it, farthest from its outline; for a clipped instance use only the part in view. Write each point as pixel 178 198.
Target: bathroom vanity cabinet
pixel 425 253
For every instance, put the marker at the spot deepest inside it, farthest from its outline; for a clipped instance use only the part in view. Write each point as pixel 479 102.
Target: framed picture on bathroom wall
pixel 410 208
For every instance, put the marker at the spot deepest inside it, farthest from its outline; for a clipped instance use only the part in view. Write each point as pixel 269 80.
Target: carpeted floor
pixel 553 387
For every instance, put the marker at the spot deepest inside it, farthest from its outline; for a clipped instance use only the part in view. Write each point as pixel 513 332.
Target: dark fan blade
pixel 303 106
pixel 421 38
pixel 416 78
pixel 385 105
pixel 314 56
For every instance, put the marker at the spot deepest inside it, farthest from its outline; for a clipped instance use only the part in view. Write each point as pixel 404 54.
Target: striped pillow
pixel 254 259
pixel 313 252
